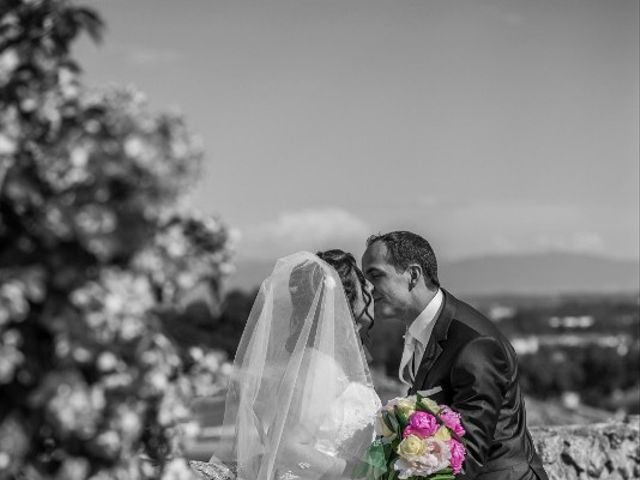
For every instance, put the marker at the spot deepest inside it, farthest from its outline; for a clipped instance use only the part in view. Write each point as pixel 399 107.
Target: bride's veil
pixel 298 352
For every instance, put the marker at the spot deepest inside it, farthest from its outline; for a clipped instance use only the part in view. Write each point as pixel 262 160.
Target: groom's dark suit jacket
pixel 477 369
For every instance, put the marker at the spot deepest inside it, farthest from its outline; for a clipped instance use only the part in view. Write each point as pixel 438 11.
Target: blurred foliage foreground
pixel 96 259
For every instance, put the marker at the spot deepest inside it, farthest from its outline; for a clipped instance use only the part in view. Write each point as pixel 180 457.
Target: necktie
pixel 406 363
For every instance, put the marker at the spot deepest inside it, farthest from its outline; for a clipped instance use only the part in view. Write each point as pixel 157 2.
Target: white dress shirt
pixel 417 338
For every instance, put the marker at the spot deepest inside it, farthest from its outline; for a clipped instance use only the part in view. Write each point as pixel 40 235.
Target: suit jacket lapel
pixel 438 336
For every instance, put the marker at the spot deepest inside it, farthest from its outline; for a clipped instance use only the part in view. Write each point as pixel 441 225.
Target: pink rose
pixel 421 424
pixel 451 420
pixel 457 453
pixel 435 456
pixel 410 431
pixel 440 451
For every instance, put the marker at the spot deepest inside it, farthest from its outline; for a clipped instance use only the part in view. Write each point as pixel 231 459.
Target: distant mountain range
pixel 535 274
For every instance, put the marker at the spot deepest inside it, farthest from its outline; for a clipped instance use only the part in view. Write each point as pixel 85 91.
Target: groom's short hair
pixel 405 248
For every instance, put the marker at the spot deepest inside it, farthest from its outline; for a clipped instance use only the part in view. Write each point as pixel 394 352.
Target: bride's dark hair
pixel 305 280
pixel 345 264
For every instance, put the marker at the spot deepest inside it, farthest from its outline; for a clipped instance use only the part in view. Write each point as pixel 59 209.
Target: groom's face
pixel 391 293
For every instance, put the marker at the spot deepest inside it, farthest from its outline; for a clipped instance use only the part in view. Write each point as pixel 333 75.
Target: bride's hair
pixel 305 279
pixel 351 277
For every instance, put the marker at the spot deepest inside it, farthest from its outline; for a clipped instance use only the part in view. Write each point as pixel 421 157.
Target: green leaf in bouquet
pixel 426 404
pixel 401 417
pixel 429 405
pixel 392 423
pixel 393 475
pixel 390 439
pixel 374 463
pixel 446 474
pixel 390 449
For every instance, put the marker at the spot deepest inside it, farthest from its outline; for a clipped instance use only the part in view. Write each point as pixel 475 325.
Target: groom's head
pixel 404 272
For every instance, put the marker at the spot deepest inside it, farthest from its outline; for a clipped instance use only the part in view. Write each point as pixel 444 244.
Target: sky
pixel 488 126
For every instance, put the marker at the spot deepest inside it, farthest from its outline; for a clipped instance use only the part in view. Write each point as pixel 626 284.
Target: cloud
pixel 578 242
pixel 499 228
pixel 310 229
pixel 518 216
pixel 150 57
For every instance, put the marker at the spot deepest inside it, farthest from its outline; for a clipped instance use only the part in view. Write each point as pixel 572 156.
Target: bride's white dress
pixel 341 429
pixel 301 401
pixel 350 421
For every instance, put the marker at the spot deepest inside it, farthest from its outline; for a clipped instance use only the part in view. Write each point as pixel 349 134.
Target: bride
pixel 301 402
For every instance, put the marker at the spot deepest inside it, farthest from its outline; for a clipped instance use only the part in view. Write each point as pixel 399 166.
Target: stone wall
pixel 608 451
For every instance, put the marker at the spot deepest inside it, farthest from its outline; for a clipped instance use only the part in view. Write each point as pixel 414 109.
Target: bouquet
pixel 417 439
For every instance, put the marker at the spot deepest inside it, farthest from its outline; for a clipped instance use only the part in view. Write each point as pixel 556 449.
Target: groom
pixel 457 354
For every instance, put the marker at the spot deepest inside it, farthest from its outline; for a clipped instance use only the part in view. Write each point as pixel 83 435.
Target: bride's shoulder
pixel 362 394
pixel 313 354
pixel 324 362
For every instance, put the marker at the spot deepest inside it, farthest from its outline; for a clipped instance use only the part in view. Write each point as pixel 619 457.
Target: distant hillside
pixel 541 274
pixel 538 274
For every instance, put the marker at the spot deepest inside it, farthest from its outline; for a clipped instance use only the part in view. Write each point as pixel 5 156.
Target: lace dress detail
pixel 346 427
pixel 350 421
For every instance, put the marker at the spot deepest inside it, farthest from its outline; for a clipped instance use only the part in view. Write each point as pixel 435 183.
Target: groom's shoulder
pixel 468 323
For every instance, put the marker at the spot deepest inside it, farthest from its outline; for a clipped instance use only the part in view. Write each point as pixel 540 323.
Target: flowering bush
pixel 93 250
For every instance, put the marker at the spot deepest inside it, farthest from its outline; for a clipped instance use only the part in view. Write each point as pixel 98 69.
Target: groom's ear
pixel 415 275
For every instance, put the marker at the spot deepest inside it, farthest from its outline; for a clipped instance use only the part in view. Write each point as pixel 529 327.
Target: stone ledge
pixel 212 471
pixel 608 451
pixel 599 451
